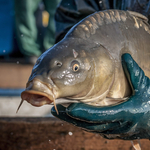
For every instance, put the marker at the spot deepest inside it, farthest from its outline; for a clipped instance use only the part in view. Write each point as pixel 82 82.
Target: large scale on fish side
pixel 86 65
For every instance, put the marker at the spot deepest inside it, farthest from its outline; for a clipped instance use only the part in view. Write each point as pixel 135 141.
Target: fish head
pixel 62 71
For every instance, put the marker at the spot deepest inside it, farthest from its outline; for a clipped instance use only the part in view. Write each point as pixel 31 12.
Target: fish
pixel 85 66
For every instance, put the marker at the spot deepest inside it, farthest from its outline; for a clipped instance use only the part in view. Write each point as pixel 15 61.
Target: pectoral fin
pixel 114 101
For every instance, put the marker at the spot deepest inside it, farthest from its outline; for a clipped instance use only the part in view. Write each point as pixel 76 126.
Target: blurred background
pixel 26 31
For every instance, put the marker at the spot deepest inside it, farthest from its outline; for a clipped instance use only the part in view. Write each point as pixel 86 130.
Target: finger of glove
pixel 127 131
pixel 134 73
pixel 94 114
pixel 63 116
pixel 61 112
pixel 99 128
pixel 92 127
pixel 124 128
pixel 126 111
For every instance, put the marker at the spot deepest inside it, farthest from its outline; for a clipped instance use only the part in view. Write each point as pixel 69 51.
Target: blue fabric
pixel 10 92
pixel 6 27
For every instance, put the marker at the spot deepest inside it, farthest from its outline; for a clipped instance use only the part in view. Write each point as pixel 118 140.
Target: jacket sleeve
pixel 70 12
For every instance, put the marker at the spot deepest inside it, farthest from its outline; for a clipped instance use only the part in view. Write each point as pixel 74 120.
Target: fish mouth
pixel 38 93
pixel 37 98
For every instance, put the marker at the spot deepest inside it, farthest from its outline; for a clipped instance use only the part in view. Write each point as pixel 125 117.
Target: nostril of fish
pixel 57 63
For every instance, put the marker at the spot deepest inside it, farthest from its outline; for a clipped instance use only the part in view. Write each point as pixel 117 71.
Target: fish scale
pixel 112 16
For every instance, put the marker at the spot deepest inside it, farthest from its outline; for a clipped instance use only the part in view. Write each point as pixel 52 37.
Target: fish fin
pixel 138 15
pixel 19 105
pixel 136 144
pixel 114 101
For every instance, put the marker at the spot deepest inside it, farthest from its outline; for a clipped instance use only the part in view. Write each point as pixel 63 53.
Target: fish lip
pixel 37 98
pixel 39 93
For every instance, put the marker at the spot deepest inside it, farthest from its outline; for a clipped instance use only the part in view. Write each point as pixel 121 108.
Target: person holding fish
pixel 128 120
pixel 91 65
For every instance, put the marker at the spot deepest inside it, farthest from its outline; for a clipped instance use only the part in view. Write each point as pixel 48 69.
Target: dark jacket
pixel 69 12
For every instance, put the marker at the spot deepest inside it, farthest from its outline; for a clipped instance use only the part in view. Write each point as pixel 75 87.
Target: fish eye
pixel 75 67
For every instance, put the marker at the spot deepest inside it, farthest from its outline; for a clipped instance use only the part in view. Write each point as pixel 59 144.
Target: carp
pixel 85 66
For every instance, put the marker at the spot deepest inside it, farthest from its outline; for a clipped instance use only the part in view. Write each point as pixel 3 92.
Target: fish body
pixel 86 65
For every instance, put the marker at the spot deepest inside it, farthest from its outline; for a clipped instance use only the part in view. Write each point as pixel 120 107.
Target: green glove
pixel 129 120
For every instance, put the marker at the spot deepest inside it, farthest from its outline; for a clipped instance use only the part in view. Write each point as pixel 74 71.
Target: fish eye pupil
pixel 75 67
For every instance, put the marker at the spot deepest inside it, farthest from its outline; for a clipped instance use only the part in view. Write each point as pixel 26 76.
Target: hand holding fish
pixel 128 120
pixel 85 66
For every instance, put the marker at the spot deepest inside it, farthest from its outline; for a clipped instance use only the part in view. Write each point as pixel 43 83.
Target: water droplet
pixel 120 123
pixel 70 133
pixel 137 73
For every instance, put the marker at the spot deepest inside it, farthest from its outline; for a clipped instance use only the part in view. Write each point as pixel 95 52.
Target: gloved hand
pixel 128 120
